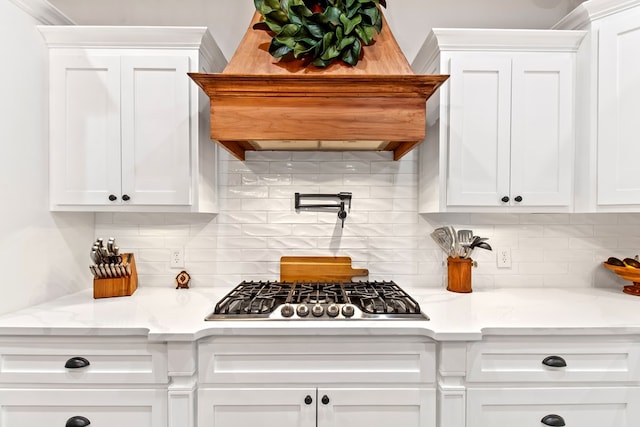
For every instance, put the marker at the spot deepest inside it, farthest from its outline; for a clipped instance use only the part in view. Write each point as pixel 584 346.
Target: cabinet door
pixel 542 130
pixel 406 407
pixel 156 168
pixel 257 407
pixel 479 129
pixel 619 109
pixel 584 407
pixel 84 129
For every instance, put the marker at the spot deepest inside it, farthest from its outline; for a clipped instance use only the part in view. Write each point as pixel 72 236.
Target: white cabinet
pixel 609 95
pixel 311 407
pixel 611 406
pixel 538 380
pixel 324 382
pixel 500 134
pixel 104 381
pixel 128 128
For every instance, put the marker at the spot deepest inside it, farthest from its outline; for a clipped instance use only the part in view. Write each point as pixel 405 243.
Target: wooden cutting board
pixel 312 268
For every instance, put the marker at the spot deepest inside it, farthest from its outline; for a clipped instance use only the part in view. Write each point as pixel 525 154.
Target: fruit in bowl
pixel 627 269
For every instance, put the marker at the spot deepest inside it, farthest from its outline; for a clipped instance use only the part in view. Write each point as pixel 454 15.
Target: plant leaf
pixel 347 41
pixel 278 50
pixel 365 34
pixel 349 24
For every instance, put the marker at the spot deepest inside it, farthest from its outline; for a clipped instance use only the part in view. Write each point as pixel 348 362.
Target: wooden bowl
pixel 631 274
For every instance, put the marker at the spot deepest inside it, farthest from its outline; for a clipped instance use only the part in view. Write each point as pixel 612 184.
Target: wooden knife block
pixel 117 286
pixel 459 274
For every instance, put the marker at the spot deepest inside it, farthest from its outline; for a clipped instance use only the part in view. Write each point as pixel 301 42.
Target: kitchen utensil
pixel 302 268
pixel 464 242
pixel 441 237
pixel 483 245
pixel 454 240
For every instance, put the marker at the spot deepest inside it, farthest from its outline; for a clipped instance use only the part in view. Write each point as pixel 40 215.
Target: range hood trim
pixel 259 98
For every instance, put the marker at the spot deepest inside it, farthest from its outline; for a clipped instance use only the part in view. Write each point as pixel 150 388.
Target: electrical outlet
pixel 504 258
pixel 177 258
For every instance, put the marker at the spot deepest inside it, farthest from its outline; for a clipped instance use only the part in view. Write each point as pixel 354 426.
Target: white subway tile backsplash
pixel 346 167
pixel 266 230
pixel 375 180
pixel 293 243
pixel 294 167
pixel 257 225
pixel 241 217
pixel 266 179
pixel 244 192
pixel 325 180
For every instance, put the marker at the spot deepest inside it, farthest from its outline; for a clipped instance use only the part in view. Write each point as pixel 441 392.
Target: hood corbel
pixel 260 103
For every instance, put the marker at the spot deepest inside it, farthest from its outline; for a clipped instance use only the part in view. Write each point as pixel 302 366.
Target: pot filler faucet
pixel 342 213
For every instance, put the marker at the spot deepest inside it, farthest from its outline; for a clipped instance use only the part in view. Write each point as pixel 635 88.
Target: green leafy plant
pixel 320 31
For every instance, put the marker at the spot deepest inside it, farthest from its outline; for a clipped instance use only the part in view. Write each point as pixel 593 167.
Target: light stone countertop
pixel 177 314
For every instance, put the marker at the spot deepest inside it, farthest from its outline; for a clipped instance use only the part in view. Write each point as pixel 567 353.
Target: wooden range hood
pixel 261 103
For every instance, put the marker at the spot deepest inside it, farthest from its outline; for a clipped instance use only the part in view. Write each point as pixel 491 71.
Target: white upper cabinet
pixel 128 127
pixel 500 133
pixel 609 105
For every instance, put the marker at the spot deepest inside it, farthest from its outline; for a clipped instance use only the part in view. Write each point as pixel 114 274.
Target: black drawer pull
pixel 77 421
pixel 325 399
pixel 555 362
pixel 553 420
pixel 76 363
pixel 308 400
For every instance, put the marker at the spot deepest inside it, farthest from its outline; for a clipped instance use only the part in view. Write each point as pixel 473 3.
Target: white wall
pixel 384 233
pixel 42 256
pixel 410 20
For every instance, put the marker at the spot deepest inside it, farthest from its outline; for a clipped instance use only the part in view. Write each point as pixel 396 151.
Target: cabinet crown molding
pixel 106 37
pixel 593 10
pixel 43 11
pixel 451 39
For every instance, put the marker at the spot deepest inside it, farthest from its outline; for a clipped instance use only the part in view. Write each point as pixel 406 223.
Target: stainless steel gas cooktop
pixel 266 300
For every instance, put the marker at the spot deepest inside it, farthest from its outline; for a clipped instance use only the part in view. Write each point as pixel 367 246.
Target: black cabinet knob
pixel 77 421
pixel 554 362
pixel 553 420
pixel 76 363
pixel 308 400
pixel 505 199
pixel 126 198
pixel 325 399
pixel 112 197
pixel 518 199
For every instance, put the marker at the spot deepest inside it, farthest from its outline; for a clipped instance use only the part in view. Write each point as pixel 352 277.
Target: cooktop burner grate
pixel 317 300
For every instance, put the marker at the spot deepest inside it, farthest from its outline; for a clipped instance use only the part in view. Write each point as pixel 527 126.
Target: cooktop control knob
pixel 287 310
pixel 303 310
pixel 317 310
pixel 333 310
pixel 347 310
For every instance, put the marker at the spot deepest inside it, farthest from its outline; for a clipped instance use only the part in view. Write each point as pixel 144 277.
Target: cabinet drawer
pixel 102 408
pixel 583 407
pixel 111 361
pixel 589 359
pixel 318 360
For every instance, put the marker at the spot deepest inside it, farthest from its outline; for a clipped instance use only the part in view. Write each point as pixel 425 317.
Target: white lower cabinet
pixel 81 381
pixel 321 407
pixel 324 382
pixel 79 408
pixel 584 407
pixel 553 381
